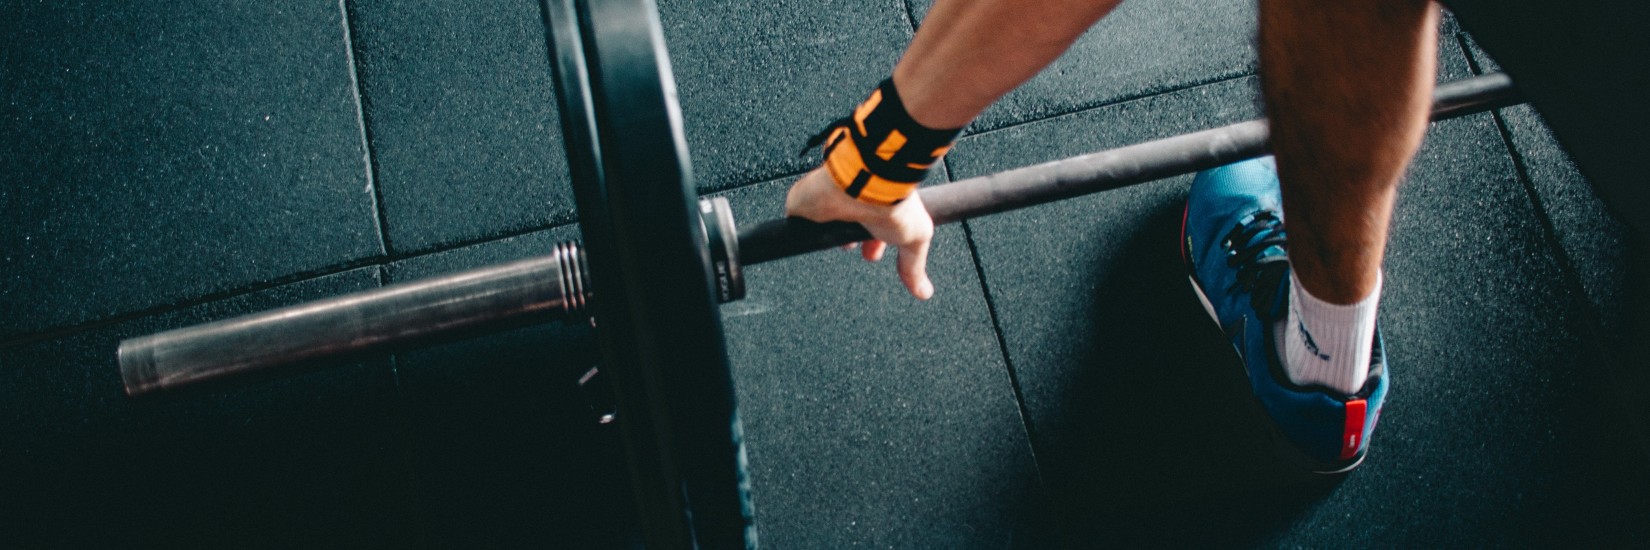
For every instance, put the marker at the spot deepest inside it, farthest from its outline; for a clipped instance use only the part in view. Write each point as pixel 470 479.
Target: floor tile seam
pixel 367 141
pixel 1463 41
pixel 448 246
pixel 1592 328
pixel 1549 229
pixel 997 330
pixel 370 169
pixel 1114 102
pixel 910 15
pixel 717 190
pixel 1008 362
pixel 1592 325
pixel 381 262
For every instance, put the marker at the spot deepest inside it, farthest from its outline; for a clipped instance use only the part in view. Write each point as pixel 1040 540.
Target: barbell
pixel 653 266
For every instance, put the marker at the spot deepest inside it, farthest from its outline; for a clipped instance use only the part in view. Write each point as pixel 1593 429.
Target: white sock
pixel 1324 344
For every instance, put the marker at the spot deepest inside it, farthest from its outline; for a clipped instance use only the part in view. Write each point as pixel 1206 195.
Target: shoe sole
pixel 1281 447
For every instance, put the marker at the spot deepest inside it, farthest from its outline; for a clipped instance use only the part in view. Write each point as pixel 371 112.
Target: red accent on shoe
pixel 1350 439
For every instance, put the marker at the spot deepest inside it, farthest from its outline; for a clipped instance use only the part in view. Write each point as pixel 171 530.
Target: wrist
pixel 879 154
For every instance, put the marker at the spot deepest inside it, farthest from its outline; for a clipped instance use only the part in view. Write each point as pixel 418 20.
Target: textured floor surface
pixel 173 163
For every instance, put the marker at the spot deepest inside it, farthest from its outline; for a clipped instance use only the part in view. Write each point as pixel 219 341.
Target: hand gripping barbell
pixel 653 265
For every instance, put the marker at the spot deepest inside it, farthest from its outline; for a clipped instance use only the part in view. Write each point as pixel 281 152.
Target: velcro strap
pixel 879 154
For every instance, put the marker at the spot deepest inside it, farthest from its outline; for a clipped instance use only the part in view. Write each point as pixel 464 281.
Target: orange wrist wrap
pixel 879 154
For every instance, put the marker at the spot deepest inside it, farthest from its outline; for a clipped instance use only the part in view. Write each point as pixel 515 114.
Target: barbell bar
pixel 558 285
pixel 659 263
pixel 1091 173
pixel 683 455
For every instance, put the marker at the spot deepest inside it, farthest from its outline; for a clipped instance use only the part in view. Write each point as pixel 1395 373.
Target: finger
pixel 873 249
pixel 913 270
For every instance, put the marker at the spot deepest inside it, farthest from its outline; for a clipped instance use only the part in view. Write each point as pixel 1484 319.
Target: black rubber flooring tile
pixel 872 419
pixel 506 449
pixel 1505 430
pixel 1120 370
pixel 1495 432
pixel 310 460
pixel 460 108
pixel 1592 238
pixel 1596 244
pixel 157 153
pixel 1590 234
pixel 1143 47
pixel 757 79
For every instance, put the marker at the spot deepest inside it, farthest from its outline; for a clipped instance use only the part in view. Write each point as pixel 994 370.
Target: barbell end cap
pixel 137 366
pixel 722 238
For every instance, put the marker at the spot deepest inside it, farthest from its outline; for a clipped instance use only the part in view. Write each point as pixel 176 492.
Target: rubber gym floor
pixel 168 163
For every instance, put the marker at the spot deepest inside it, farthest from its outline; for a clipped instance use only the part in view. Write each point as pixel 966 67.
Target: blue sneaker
pixel 1233 242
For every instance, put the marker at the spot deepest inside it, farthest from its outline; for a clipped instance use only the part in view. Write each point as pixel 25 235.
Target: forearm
pixel 968 53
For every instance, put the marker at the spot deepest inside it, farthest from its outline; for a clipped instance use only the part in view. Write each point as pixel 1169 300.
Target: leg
pixel 966 55
pixel 1347 114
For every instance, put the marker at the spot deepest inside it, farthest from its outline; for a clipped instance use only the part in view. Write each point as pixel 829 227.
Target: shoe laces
pixel 1257 248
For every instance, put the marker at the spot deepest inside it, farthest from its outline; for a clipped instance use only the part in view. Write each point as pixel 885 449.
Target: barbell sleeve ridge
pixel 1090 173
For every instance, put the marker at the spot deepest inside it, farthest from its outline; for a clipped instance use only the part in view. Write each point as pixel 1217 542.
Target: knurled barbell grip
pixel 1086 174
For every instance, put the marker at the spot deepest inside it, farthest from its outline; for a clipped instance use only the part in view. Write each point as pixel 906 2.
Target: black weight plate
pixel 654 295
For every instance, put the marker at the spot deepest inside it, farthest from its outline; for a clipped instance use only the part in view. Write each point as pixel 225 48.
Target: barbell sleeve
pixel 494 297
pixel 1087 174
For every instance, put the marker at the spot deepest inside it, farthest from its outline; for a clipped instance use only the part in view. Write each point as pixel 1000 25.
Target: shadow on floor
pixel 1160 440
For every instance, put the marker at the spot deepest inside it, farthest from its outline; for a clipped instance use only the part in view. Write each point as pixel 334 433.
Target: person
pixel 1347 115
